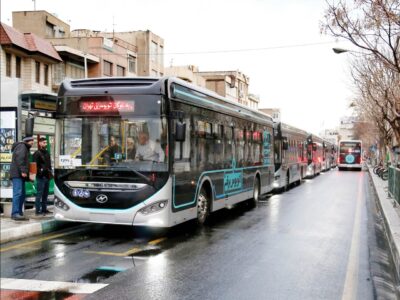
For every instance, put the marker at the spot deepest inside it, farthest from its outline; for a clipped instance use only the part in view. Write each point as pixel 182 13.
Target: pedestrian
pixel 43 176
pixel 19 173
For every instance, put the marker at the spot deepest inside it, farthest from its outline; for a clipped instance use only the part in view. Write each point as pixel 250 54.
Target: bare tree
pixel 378 93
pixel 374 27
pixel 371 25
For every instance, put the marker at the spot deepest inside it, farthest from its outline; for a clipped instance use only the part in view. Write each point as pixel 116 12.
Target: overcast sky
pixel 310 83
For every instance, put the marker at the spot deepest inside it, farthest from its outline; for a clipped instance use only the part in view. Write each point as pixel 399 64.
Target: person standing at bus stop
pixel 19 173
pixel 43 176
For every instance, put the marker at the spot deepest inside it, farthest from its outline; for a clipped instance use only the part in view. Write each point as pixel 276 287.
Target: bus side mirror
pixel 180 131
pixel 29 123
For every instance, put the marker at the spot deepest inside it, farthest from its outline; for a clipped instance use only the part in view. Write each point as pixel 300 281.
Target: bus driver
pixel 148 150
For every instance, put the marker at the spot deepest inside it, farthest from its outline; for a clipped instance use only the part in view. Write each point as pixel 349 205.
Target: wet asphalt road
pixel 321 240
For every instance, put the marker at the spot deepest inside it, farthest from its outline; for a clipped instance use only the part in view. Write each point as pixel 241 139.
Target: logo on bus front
pixel 101 198
pixel 350 159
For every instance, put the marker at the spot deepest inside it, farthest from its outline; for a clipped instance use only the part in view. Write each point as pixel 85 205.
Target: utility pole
pixel 34 5
pixel 113 26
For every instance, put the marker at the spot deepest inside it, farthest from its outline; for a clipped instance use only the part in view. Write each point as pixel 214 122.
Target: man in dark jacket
pixel 43 175
pixel 19 172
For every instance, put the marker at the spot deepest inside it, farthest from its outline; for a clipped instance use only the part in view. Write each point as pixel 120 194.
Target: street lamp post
pixel 339 50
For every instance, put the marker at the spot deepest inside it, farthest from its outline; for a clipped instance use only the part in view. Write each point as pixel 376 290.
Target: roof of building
pixel 27 41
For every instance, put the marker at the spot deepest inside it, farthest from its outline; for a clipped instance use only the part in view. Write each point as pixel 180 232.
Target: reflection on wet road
pixel 312 242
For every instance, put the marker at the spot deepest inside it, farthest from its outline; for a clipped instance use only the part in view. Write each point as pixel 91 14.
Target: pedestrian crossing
pixel 35 289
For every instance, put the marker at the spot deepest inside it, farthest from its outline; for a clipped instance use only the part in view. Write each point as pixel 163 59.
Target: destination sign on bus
pixel 106 106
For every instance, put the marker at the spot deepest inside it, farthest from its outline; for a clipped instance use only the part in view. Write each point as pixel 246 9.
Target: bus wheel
pixel 203 208
pixel 256 193
pixel 287 182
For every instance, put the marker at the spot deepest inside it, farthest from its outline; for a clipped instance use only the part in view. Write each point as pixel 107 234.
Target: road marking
pixel 34 242
pixel 157 241
pixel 45 238
pixel 351 281
pixel 128 252
pixel 48 286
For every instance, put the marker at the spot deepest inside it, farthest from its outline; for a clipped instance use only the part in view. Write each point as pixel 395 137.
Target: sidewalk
pixel 391 215
pixel 14 230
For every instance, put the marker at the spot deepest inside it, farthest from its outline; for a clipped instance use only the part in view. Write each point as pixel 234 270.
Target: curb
pixel 29 230
pixel 390 217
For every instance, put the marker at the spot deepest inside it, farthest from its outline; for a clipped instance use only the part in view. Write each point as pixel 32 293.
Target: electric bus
pixel 290 155
pixel 327 156
pixel 314 155
pixel 155 152
pixel 350 155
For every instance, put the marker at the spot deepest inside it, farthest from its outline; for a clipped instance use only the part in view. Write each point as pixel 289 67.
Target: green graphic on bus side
pixel 266 147
pixel 233 181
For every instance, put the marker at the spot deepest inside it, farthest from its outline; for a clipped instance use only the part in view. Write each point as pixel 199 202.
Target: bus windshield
pixel 350 147
pixel 134 143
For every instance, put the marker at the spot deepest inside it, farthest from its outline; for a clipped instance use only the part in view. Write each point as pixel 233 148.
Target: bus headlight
pixel 155 207
pixel 60 204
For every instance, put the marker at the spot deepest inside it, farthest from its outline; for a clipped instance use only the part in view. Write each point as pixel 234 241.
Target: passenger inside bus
pixel 149 150
pixel 130 148
pixel 113 152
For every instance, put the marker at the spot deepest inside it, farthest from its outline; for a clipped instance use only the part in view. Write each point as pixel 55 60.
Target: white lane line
pixel 47 286
pixel 351 281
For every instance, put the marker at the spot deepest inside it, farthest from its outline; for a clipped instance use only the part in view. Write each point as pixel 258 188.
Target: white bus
pixel 155 152
pixel 290 152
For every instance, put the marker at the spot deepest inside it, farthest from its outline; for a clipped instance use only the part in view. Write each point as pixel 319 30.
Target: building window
pixel 37 71
pixel 132 64
pixel 120 71
pixel 18 67
pixel 46 74
pixel 49 30
pixel 107 66
pixel 153 51
pixel 8 64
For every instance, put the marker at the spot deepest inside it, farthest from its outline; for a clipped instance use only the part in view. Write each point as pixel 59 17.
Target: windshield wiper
pixel 147 179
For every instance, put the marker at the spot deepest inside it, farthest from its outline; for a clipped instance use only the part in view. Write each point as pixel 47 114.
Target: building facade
pixel 26 87
pixel 27 58
pixel 188 73
pixel 41 23
pixel 233 85
pixel 254 101
pixel 275 113
pixel 150 50
pixel 104 57
pixel 88 53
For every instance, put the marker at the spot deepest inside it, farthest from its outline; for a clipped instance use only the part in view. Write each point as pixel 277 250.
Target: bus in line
pixel 290 155
pixel 155 152
pixel 314 155
pixel 349 156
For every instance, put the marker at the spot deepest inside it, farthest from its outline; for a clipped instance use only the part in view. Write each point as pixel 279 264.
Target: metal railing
pixel 394 183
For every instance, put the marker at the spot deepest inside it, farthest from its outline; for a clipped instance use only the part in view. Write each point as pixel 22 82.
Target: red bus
pixel 350 152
